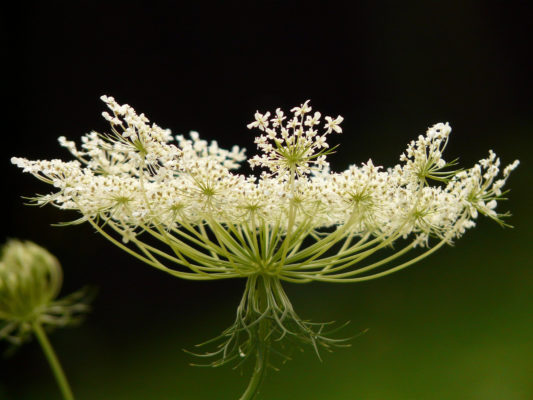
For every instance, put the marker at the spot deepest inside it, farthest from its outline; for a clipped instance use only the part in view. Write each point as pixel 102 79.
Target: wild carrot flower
pixel 295 222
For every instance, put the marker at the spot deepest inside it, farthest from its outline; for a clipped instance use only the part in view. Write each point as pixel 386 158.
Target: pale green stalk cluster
pixel 296 222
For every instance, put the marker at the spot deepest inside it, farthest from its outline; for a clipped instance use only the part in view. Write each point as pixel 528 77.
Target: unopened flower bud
pixel 30 281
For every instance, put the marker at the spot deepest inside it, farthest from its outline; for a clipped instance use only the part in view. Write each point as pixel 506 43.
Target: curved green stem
pixel 53 361
pixel 258 374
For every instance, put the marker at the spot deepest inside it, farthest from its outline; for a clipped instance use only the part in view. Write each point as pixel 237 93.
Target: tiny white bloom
pixel 333 124
pixel 302 110
pixel 261 121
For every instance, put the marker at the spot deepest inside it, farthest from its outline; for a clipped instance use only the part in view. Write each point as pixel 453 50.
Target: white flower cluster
pixel 297 221
pixel 294 146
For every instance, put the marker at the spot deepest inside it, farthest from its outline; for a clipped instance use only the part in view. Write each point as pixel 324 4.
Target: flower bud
pixel 30 281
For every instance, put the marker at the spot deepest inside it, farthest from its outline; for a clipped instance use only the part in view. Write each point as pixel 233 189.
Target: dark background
pixel 455 326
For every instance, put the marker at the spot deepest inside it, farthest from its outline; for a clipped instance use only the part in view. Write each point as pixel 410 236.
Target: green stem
pixel 262 331
pixel 258 374
pixel 53 361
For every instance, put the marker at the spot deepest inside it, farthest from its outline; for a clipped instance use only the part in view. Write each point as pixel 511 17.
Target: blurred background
pixel 458 325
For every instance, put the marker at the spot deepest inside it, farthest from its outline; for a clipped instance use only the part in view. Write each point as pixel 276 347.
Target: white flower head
pixel 180 205
pixel 294 147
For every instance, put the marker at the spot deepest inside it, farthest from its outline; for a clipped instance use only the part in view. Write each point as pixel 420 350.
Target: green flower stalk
pixel 297 222
pixel 30 281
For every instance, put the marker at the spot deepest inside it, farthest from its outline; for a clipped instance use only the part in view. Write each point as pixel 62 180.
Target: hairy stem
pixel 53 361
